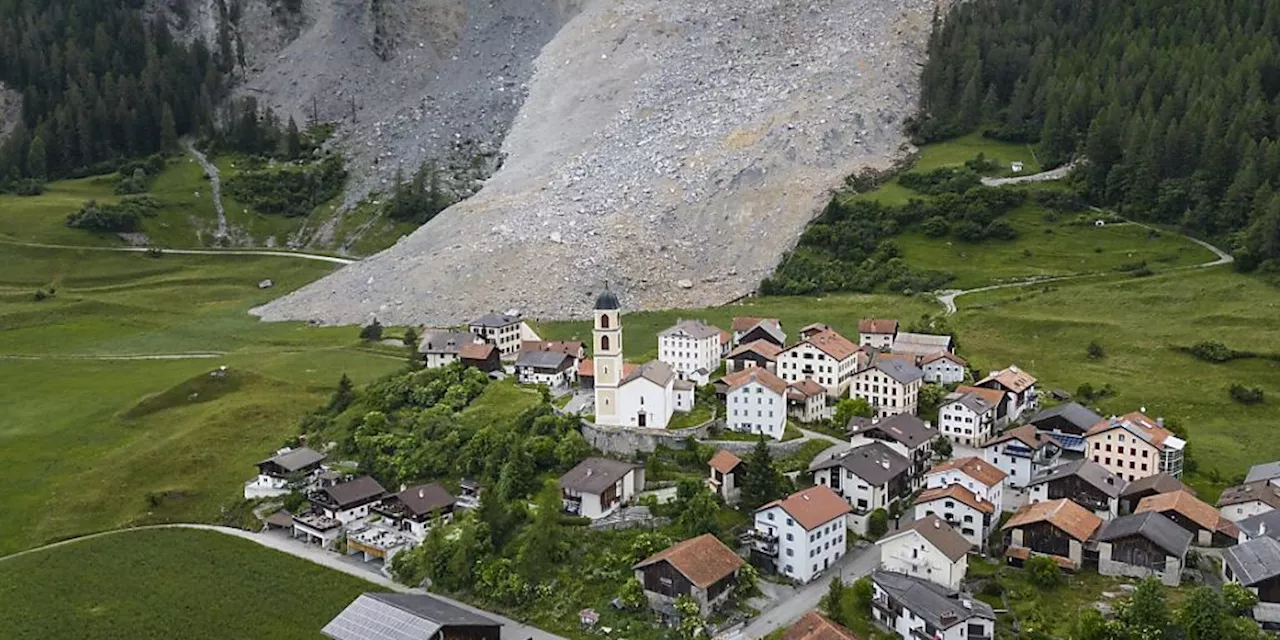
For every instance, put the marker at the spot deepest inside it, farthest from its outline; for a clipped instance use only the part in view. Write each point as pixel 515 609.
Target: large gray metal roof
pixel 936 604
pixel 1073 412
pixel 875 463
pixel 1254 561
pixel 1087 470
pixel 1157 528
pixel 399 616
pixel 1265 471
pixel 1263 524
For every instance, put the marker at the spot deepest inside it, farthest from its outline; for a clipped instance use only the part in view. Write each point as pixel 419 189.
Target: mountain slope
pixel 675 150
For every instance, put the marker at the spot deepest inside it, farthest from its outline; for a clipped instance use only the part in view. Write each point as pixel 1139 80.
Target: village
pixel 1003 473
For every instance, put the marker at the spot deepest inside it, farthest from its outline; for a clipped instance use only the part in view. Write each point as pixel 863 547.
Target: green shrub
pixel 936 227
pixel 124 216
pixel 1210 351
pixel 1043 572
pixel 290 190
pixel 877 524
pixel 1246 395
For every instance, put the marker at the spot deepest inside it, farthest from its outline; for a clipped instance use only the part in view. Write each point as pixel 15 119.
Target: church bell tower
pixel 607 352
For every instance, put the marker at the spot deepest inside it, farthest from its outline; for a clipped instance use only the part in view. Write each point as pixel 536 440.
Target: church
pixel 644 396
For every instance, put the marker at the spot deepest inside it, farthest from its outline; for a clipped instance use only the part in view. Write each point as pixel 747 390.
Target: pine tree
pixel 38 159
pixel 762 482
pixel 168 129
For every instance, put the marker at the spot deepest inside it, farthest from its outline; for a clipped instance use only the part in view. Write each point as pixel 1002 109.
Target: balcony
pixel 761 542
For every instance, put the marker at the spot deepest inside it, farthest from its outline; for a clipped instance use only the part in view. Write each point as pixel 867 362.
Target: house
pixel 504 330
pixel 920 344
pixel 702 568
pixel 919 609
pixel 928 549
pixel 906 434
pixel 807 530
pixel 414 509
pixel 890 385
pixel 586 374
pixel 598 486
pixel 747 330
pixel 276 472
pixel 1266 472
pixel 826 357
pixel 758 353
pixel 806 401
pixel 1084 483
pixel 877 333
pixel 815 626
pixel 943 367
pixel 970 415
pixel 349 501
pixel 1070 417
pixel 975 474
pixel 872 476
pixel 405 616
pixel 682 393
pixel 723 480
pixel 1022 453
pixel 482 356
pixel 554 369
pixel 440 348
pixel 469 493
pixel 810 330
pixel 968 513
pixel 1153 485
pixel 1238 503
pixel 1058 529
pixel 726 343
pixel 1261 525
pixel 756 403
pixel 1202 520
pixel 692 349
pixel 1020 385
pixel 1142 545
pixel 645 396
pixel 570 347
pixel 1255 565
pixel 1134 446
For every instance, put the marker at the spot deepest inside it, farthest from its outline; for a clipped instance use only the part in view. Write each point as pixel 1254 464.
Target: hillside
pixel 675 151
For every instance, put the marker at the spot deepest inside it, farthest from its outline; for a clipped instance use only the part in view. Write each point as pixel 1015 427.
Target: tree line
pixel 1172 104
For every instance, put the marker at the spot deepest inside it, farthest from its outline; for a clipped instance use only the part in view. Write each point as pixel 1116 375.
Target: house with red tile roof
pixel 702 568
pixel 802 535
pixel 1058 529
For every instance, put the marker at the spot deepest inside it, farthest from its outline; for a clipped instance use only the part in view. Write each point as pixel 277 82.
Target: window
pixel 770 515
pixel 790 553
pixel 790 538
pixel 604 341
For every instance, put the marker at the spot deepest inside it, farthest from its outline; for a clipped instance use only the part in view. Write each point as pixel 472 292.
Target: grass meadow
pixel 161 584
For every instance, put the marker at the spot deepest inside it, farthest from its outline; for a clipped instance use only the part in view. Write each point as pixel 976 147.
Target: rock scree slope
pixel 675 150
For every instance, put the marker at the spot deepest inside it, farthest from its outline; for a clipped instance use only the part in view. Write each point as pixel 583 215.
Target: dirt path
pixel 1043 176
pixel 207 355
pixel 215 185
pixel 190 252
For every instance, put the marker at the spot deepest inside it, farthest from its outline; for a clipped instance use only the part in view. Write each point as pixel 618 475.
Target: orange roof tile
pixel 941 355
pixel 474 351
pixel 1012 378
pixel 724 461
pixel 704 560
pixel 1069 517
pixel 815 626
pixel 808 387
pixel 975 468
pixel 956 492
pixel 587 368
pixel 1183 503
pixel 833 344
pixel 763 347
pixel 812 507
pixel 1138 420
pixel 745 323
pixel 877 325
pixel 992 396
pixel 755 374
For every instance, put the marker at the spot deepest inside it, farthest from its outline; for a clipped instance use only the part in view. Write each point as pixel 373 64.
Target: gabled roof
pixel 355 491
pixel 571 347
pixel 830 343
pixel 739 379
pixel 900 370
pixel 495 320
pixel 557 360
pixel 812 507
pixel 696 329
pixel 1183 503
pixel 1263 492
pixel 1264 471
pixel 1012 378
pixel 1069 517
pixel 1027 435
pixel 655 371
pixel 1254 561
pixel 400 616
pixel 1159 483
pixel 595 475
pixel 1263 524
pixel 904 428
pixel 743 324
pixel 724 461
pixel 1087 470
pixel 958 493
pixel 993 397
pixel 763 348
pixel 445 341
pixel 425 499
pixel 476 351
pixel 972 400
pixel 295 459
pixel 1153 526
pixel 937 605
pixel 1141 427
pixel 1077 414
pixel 815 626
pixel 920 343
pixel 877 325
pixel 704 560
pixel 942 355
pixel 805 388
pixel 875 463
pixel 974 467
pixel 939 534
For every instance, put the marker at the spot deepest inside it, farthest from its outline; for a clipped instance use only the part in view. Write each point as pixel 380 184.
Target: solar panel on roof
pixel 369 619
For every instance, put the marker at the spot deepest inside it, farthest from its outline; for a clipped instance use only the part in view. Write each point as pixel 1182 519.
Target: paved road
pixel 280 541
pixel 858 563
pixel 190 252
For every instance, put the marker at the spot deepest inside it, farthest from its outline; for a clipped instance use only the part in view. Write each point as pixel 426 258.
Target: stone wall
pixel 628 441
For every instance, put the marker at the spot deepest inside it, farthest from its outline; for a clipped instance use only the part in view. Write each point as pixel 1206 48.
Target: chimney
pixel 589 470
pixel 403 486
pixel 422 493
pixel 937 524
pixel 1262 529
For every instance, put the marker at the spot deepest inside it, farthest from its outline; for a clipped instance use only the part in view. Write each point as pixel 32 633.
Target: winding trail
pixel 205 355
pixel 189 252
pixel 1044 176
pixel 215 185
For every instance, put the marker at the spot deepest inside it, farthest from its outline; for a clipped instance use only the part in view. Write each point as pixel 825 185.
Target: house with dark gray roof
pixel 505 330
pixel 929 549
pixel 1143 545
pixel 909 436
pixel 596 487
pixel 348 501
pixel 441 348
pixel 276 473
pixel 403 616
pixel 1083 482
pixel 1255 565
pixel 915 608
pixel 414 509
pixel 1068 417
pixel 1152 485
pixel 1246 500
pixel 555 369
pixel 869 477
pixel 1262 525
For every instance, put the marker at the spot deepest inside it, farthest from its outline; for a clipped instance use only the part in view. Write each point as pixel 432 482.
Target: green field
pixel 955 152
pixel 170 583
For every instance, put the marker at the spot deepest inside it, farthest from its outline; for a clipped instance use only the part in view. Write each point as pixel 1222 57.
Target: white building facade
pixel 890 385
pixel 826 358
pixel 810 537
pixel 943 368
pixel 689 347
pixel 756 403
pixel 967 419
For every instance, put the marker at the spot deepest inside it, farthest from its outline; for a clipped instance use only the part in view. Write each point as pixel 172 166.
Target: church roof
pixel 655 371
pixel 607 301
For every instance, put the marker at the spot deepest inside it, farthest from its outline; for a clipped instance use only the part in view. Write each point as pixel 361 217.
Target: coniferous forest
pixel 99 84
pixel 1173 106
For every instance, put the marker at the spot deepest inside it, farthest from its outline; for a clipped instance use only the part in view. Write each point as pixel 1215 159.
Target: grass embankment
pixel 169 583
pixel 90 444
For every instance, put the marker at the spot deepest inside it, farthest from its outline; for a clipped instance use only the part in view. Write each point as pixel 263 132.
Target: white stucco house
pixel 504 330
pixel 551 368
pixel 869 477
pixel 691 348
pixel 1021 387
pixel 891 385
pixel 756 403
pixel 1022 453
pixel 826 357
pixel 919 609
pixel 598 486
pixel 969 416
pixel 277 472
pixel 975 474
pixel 877 333
pixel 807 401
pixel 440 348
pixel 1134 446
pixel 806 531
pixel 943 367
pixel 1248 500
pixel 928 549
pixel 969 514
